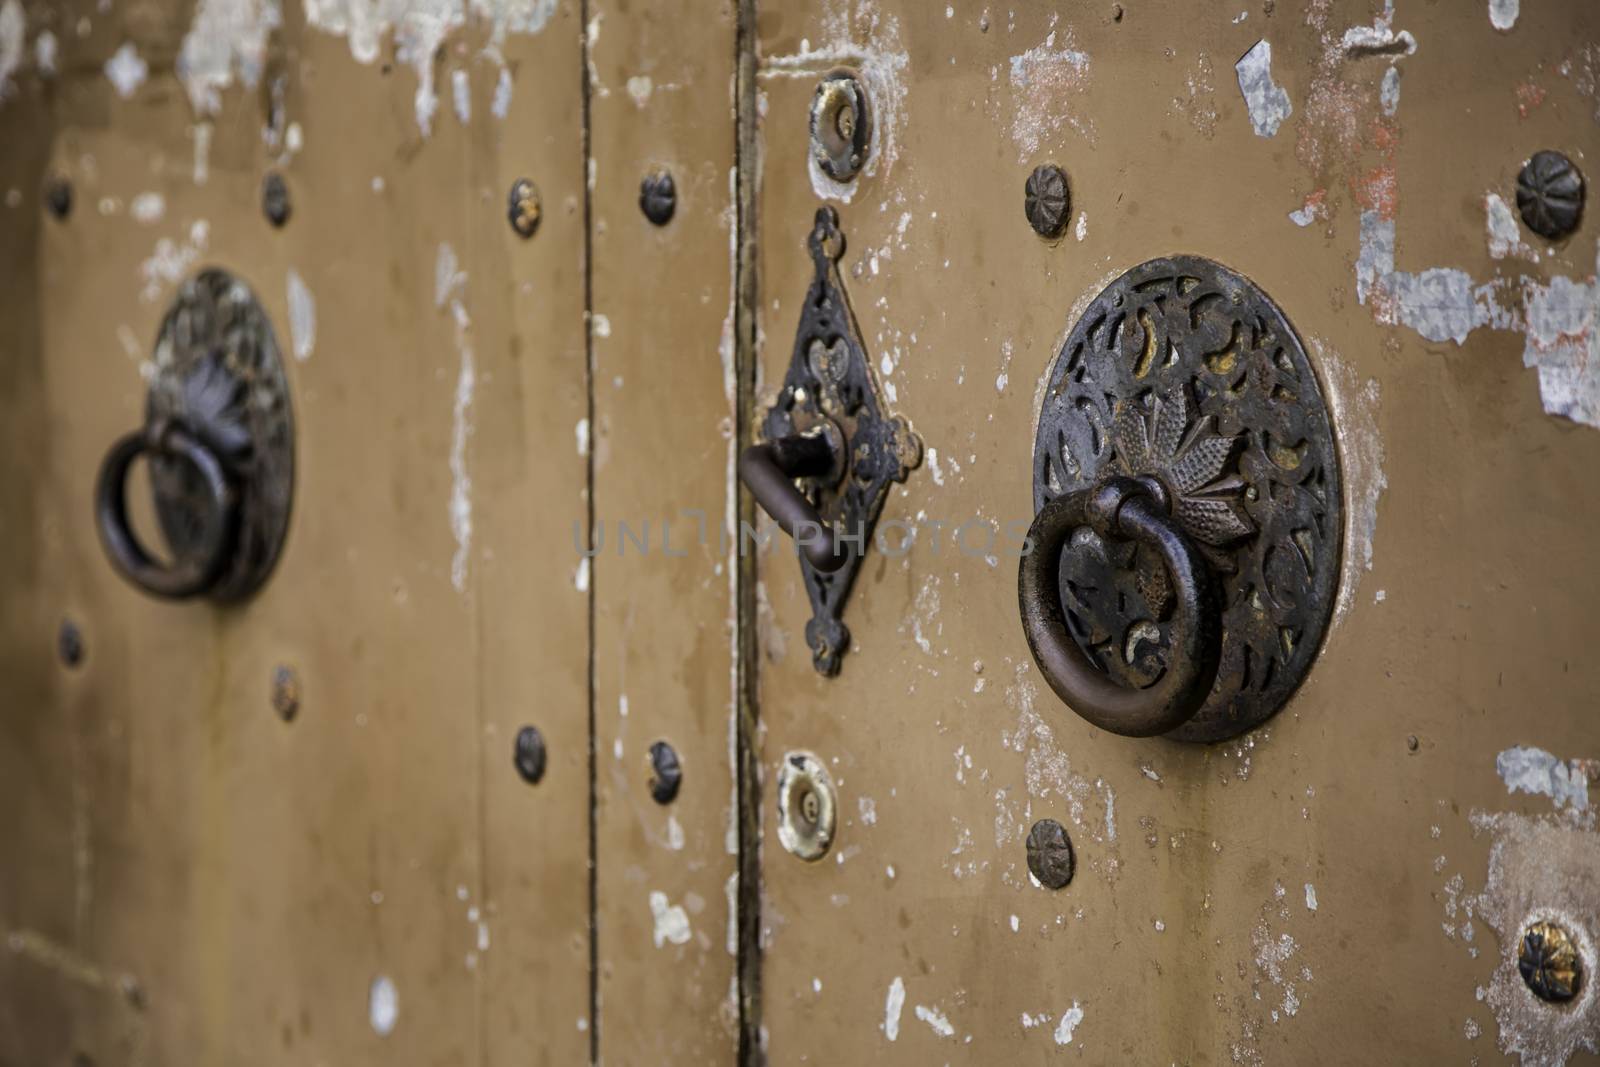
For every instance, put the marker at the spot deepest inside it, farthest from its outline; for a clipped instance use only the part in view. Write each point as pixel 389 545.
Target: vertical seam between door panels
pixel 747 770
pixel 588 384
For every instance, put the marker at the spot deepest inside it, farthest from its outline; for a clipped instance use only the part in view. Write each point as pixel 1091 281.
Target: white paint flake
pixel 671 921
pixel 1355 411
pixel 501 105
pixel 1081 230
pixel 227 39
pixel 418 28
pixel 147 208
pixel 449 286
pixel 1311 897
pixel 202 152
pixel 892 1006
pixel 1016 924
pixel 1267 102
pixel 1503 13
pixel 936 1021
pixel 302 316
pixel 44 54
pixel 1533 770
pixel 1389 91
pixel 126 70
pixel 461 93
pixel 1505 239
pixel 1069 1022
pixel 13 25
pixel 639 88
pixel 383 1005
pixel 171 261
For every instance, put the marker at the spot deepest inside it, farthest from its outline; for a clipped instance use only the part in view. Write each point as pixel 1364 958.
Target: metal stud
pixel 1050 854
pixel 658 196
pixel 1549 962
pixel 807 806
pixel 69 643
pixel 1550 194
pixel 530 754
pixel 1047 201
pixel 285 692
pixel 275 199
pixel 667 773
pixel 841 125
pixel 523 207
pixel 58 197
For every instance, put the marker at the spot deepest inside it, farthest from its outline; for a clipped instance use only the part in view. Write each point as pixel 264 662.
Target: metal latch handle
pixel 769 471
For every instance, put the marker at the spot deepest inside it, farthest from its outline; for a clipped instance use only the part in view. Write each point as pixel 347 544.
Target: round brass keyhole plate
pixel 1184 372
pixel 807 806
pixel 841 125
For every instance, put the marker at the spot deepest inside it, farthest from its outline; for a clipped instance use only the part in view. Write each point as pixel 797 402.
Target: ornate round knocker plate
pixel 218 372
pixel 1185 372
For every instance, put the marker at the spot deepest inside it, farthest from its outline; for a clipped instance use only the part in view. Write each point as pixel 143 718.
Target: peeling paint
pixel 383 1005
pixel 45 50
pixel 1354 405
pixel 126 70
pixel 227 39
pixel 302 316
pixel 449 281
pixel 1505 237
pixel 1389 91
pixel 671 921
pixel 1068 1024
pixel 1045 80
pixel 461 93
pixel 1311 897
pixel 1267 102
pixel 418 29
pixel 892 1006
pixel 147 208
pixel 936 1021
pixel 1535 771
pixel 1503 13
pixel 880 60
pixel 501 104
pixel 171 261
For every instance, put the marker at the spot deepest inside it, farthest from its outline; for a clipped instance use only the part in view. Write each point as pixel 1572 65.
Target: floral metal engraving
pixel 830 386
pixel 1185 374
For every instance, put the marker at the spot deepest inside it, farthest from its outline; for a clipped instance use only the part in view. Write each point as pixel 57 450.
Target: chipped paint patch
pixel 1267 102
pixel 302 316
pixel 383 1005
pixel 671 921
pixel 1563 342
pixel 1540 868
pixel 1045 82
pixel 1068 1024
pixel 44 53
pixel 449 286
pixel 639 88
pixel 500 106
pixel 227 39
pixel 147 208
pixel 418 28
pixel 936 1020
pixel 1389 91
pixel 1503 13
pixel 1354 406
pixel 461 94
pixel 1314 207
pixel 126 70
pixel 13 25
pixel 880 60
pixel 1505 238
pixel 1311 897
pixel 1440 303
pixel 893 1004
pixel 1535 771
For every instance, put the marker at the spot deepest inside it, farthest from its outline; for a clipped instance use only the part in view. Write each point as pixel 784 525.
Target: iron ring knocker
pixel 193 572
pixel 1122 509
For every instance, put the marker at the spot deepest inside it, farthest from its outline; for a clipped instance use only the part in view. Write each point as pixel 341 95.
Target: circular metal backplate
pixel 1184 370
pixel 218 372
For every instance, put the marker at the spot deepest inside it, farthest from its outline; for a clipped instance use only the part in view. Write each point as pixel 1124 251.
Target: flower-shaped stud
pixel 1188 458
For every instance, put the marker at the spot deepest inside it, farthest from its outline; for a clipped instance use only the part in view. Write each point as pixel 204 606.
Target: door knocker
pixel 219 437
pixel 1188 520
pixel 830 428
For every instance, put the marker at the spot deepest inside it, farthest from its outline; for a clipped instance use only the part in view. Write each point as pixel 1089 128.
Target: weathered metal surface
pixel 830 386
pixel 1184 372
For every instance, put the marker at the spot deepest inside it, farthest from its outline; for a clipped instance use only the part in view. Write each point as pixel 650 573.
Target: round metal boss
pixel 218 371
pixel 1186 375
pixel 841 125
pixel 807 806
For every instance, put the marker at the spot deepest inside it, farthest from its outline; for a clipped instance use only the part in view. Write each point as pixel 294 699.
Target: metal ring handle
pixel 193 573
pixel 1121 509
pixel 769 471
